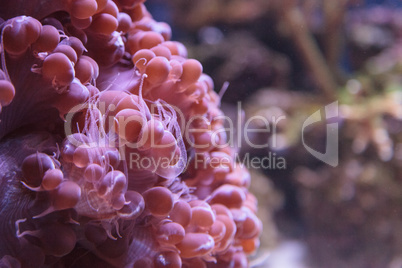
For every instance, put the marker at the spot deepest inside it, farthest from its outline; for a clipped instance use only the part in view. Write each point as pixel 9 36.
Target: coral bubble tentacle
pixel 101 115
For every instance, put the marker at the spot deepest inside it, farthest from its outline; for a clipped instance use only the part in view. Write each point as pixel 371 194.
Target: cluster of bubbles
pixel 104 79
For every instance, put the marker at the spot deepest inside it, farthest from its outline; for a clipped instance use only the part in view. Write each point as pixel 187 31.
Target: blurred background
pixel 291 58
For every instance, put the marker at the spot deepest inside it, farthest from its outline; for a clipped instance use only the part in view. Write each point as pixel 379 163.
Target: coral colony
pixel 86 87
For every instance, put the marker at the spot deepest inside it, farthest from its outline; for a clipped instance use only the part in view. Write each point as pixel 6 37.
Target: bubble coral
pixel 101 115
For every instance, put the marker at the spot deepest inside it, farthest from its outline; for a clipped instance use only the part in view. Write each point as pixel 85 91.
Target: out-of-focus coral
pixel 109 143
pixel 350 212
pixel 370 31
pixel 359 201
